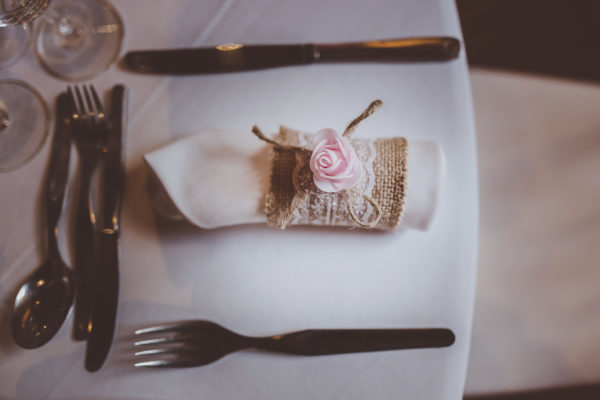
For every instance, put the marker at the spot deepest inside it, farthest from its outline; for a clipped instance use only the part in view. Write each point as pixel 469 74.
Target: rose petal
pixel 334 162
pixel 326 134
pixel 319 145
pixel 325 185
pixel 332 170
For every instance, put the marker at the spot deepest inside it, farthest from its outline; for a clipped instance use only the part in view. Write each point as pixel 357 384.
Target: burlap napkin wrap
pixel 375 202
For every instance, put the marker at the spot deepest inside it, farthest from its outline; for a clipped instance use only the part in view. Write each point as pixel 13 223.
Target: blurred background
pixel 535 75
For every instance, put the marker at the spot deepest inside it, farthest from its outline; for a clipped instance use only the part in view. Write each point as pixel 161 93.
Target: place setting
pixel 300 238
pixel 43 301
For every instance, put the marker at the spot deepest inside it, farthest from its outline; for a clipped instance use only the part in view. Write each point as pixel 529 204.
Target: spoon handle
pixel 58 171
pixel 339 341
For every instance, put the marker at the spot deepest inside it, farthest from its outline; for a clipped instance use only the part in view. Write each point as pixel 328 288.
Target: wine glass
pixel 77 39
pixel 24 116
pixel 15 29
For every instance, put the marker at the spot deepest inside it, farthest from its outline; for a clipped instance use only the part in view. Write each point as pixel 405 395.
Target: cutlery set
pixel 91 138
pixel 44 300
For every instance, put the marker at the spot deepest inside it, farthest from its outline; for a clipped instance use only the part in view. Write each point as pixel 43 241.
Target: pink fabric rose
pixel 334 162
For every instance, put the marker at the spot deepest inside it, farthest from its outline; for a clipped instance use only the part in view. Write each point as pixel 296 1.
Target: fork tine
pixel 155 341
pixel 173 339
pixel 73 104
pixel 76 108
pixel 166 363
pixel 182 344
pixel 97 102
pixel 172 350
pixel 172 360
pixel 90 106
pixel 153 363
pixel 152 351
pixel 157 329
pixel 175 327
pixel 72 96
pixel 80 105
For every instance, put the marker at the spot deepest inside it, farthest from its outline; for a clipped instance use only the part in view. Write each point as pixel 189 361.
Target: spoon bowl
pixel 41 304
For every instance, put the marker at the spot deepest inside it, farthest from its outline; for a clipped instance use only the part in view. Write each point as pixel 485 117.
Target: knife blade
pixel 234 57
pixel 105 294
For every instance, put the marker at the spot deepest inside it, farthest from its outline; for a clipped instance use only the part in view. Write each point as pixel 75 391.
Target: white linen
pixel 253 279
pixel 216 179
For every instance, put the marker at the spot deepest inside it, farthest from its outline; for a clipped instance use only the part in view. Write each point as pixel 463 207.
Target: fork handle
pixel 337 341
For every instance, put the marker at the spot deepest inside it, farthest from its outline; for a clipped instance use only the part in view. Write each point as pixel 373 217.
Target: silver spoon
pixel 43 301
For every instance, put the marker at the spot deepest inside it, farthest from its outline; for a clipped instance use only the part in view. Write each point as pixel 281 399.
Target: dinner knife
pixel 234 57
pixel 105 291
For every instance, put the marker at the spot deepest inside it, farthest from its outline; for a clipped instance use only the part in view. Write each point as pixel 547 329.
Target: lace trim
pixel 377 200
pixel 321 208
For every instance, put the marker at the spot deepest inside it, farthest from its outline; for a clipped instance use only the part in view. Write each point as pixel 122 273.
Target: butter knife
pixel 105 292
pixel 234 57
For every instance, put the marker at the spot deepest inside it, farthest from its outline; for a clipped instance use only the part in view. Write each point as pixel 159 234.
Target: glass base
pixel 77 39
pixel 24 123
pixel 13 43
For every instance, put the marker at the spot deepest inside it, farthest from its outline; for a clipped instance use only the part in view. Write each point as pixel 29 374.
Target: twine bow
pixel 300 198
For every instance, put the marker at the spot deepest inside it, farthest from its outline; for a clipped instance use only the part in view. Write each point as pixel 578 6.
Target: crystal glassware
pixel 24 116
pixel 15 30
pixel 77 39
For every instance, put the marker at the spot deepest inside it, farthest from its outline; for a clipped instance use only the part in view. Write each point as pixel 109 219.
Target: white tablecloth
pixel 253 279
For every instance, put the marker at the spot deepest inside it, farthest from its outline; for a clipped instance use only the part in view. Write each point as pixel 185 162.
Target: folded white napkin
pixel 218 178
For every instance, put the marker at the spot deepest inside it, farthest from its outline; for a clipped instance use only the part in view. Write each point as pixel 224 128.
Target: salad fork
pixel 91 136
pixel 200 342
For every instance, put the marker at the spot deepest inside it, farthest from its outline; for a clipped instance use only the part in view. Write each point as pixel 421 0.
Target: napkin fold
pixel 219 178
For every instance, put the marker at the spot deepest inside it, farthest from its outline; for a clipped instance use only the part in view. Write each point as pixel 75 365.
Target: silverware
pixel 233 57
pixel 105 288
pixel 42 302
pixel 90 133
pixel 196 343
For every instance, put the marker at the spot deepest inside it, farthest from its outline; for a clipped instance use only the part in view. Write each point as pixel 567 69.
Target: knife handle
pixel 224 58
pixel 411 49
pixel 105 291
pixel 114 169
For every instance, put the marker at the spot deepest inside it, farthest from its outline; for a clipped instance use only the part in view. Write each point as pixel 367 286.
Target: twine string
pixel 285 218
pixel 300 198
pixel 283 146
pixel 368 224
pixel 374 106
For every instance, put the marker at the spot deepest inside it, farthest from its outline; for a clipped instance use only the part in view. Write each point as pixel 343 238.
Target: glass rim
pixel 37 149
pixel 39 53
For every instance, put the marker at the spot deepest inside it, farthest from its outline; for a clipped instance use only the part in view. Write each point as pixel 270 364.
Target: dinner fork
pixel 200 342
pixel 91 136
